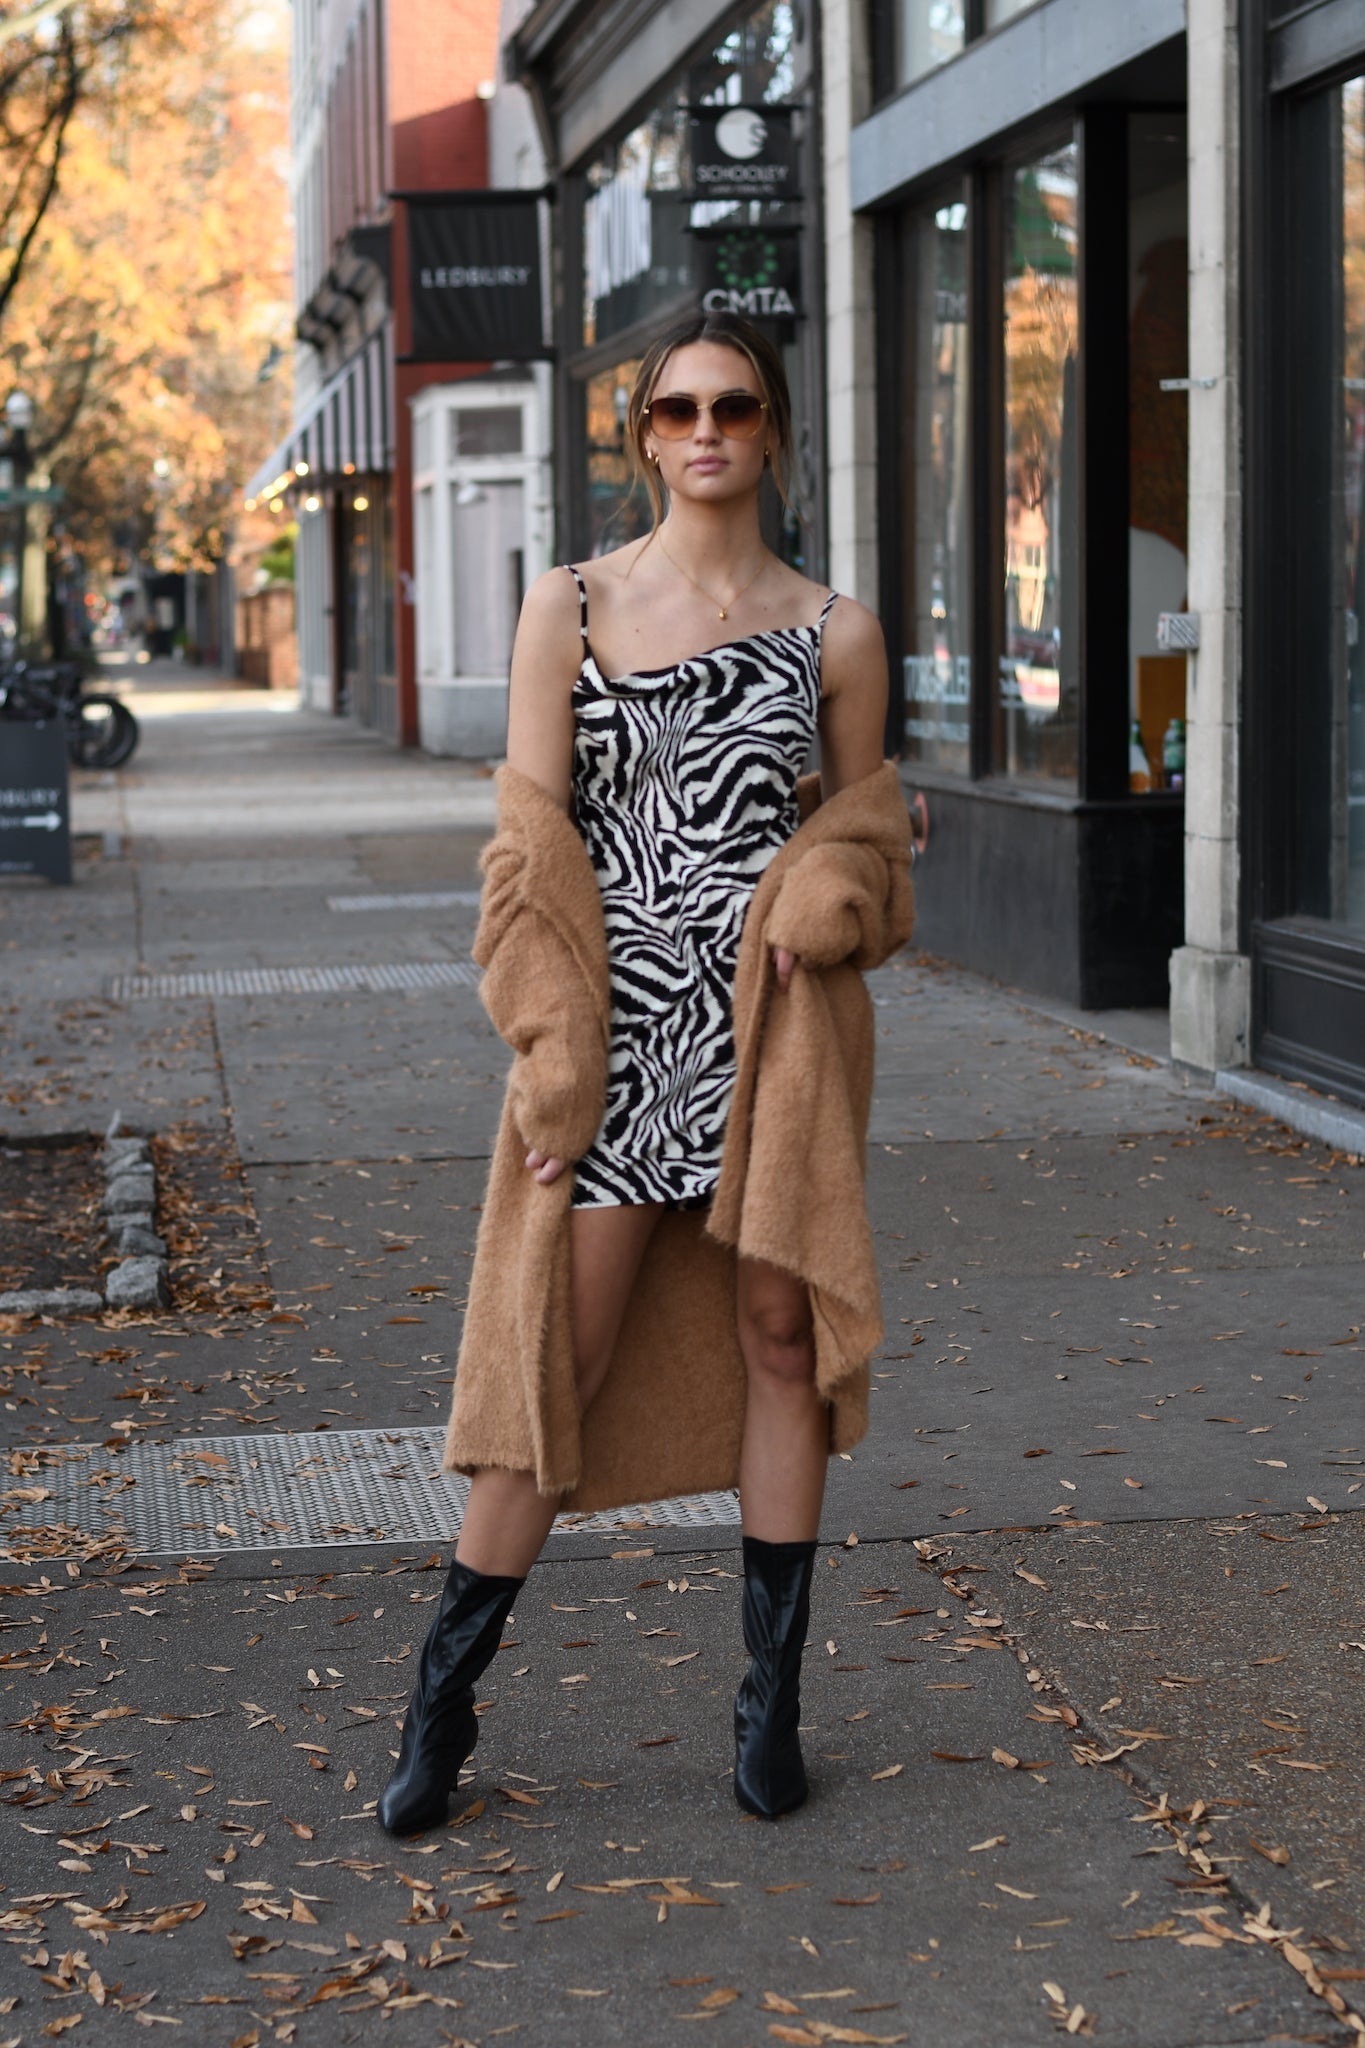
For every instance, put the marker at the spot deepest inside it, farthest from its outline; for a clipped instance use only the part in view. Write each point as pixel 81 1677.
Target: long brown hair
pixel 726 330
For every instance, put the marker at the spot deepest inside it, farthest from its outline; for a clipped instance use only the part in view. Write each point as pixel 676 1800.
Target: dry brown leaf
pixel 772 2002
pixel 1276 1855
pixel 798 2035
pixel 949 1756
pixel 891 1771
pixel 715 1999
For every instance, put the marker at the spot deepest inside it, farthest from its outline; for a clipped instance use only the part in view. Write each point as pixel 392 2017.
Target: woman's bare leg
pixel 506 1519
pixel 786 1422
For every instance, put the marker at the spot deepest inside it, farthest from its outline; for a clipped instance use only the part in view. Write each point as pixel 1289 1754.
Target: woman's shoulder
pixel 605 571
pixel 851 628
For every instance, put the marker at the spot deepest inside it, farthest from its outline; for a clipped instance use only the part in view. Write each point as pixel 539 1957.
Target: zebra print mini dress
pixel 684 787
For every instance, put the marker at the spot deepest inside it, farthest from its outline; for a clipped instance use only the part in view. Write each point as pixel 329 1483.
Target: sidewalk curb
pixel 1315 1116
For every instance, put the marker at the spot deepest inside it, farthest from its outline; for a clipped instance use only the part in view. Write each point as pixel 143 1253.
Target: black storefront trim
pixel 1081 900
pixel 1309 996
pixel 1034 66
pixel 1308 975
pixel 1311 45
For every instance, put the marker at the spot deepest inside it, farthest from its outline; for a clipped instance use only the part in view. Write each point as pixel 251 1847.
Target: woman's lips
pixel 708 464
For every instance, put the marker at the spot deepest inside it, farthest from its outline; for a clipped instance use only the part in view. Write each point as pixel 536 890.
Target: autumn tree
pixel 157 281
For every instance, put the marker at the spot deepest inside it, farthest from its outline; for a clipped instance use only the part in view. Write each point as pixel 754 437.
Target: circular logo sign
pixel 741 133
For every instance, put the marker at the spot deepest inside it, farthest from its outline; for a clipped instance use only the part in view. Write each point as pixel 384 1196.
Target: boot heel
pixel 440 1727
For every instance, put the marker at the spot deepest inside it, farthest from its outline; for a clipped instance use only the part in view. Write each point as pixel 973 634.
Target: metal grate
pixel 436 899
pixel 216 1494
pixel 291 981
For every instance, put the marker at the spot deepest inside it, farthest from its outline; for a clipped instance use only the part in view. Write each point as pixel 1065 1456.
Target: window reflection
pixel 616 512
pixel 937 534
pixel 638 254
pixel 1348 723
pixel 1037 692
pixel 928 33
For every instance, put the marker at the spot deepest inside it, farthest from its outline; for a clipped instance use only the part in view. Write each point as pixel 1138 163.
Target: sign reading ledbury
pixel 35 811
pixel 474 278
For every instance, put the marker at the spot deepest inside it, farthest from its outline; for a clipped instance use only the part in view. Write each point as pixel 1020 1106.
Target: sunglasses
pixel 738 415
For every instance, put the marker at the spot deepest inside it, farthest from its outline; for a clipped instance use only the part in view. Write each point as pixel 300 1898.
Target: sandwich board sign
pixel 35 806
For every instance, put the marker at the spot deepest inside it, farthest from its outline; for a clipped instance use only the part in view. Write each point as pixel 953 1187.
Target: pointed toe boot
pixel 770 1777
pixel 440 1728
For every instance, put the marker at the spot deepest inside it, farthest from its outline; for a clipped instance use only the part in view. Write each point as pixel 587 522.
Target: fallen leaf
pixel 891 1771
pixel 949 1756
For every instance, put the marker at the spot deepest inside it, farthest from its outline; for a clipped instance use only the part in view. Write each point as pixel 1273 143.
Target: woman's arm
pixel 546 657
pixel 852 713
pixel 853 697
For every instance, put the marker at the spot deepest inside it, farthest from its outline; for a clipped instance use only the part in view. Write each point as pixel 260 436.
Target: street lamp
pixel 17 464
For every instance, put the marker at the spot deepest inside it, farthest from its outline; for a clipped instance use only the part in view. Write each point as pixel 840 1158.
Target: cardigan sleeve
pixel 534 991
pixel 843 901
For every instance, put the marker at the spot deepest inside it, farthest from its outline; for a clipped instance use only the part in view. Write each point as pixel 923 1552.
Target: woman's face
pixel 708 466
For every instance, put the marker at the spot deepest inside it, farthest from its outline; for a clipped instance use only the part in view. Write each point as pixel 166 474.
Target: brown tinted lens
pixel 673 418
pixel 738 415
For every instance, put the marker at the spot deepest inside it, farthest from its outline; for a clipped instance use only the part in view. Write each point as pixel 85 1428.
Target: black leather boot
pixel 770 1778
pixel 441 1728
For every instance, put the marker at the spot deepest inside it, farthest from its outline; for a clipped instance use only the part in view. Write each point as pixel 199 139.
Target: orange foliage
pixel 157 285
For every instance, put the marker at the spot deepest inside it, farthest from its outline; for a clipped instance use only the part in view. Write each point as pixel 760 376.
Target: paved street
pixel 1085 1690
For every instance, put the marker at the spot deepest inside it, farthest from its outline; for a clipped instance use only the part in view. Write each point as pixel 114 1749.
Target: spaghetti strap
pixel 826 608
pixel 582 602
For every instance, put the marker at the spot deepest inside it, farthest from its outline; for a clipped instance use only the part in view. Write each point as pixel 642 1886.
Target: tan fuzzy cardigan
pixel 670 1414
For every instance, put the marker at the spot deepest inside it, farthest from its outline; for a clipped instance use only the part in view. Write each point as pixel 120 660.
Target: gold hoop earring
pixel 654 457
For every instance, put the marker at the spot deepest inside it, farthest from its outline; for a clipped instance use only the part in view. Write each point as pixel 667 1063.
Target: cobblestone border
pixel 140 1280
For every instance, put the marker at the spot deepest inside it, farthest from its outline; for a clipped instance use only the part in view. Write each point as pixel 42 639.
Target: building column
pixel 850 308
pixel 1210 976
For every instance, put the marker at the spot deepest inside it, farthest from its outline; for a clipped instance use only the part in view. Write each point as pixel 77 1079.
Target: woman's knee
pixel 777 1341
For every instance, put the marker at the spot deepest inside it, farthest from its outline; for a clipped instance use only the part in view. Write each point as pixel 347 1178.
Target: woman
pixel 640 1320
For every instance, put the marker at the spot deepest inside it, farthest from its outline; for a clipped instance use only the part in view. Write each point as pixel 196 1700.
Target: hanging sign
pixel 474 277
pixel 754 271
pixel 35 810
pixel 743 153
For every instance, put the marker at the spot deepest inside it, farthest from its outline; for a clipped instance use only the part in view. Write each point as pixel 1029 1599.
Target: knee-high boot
pixel 441 1728
pixel 770 1778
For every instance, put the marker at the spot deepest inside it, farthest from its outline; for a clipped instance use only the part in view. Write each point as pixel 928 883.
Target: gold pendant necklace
pixel 722 610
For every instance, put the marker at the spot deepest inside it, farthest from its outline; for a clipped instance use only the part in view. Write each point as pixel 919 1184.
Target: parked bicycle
pixel 101 732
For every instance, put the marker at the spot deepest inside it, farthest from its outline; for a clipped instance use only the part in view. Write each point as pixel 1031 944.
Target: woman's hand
pixel 783 963
pixel 544 1168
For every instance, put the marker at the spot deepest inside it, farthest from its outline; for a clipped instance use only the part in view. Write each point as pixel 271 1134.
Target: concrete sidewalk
pixel 1112 1483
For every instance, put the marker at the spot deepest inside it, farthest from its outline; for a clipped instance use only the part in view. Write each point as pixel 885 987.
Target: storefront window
pixel 1348 858
pixel 1037 698
pixel 936 661
pixel 616 512
pixel 927 34
pixel 1158 443
pixel 1328 368
pixel 641 249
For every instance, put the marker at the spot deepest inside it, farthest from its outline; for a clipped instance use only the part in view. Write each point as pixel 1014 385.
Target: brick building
pixel 389 98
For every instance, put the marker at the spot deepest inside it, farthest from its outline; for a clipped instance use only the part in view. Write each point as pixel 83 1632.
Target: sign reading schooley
pixel 474 277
